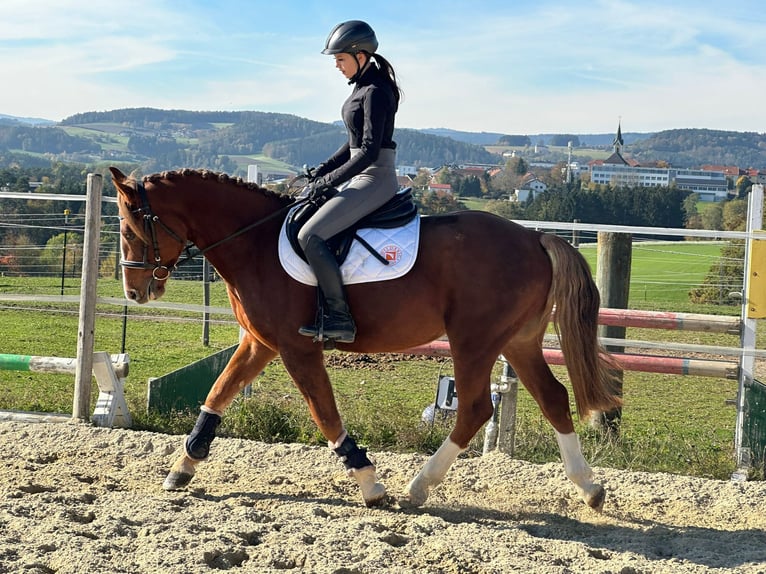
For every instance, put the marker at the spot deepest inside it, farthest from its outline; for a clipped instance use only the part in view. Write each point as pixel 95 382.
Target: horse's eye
pixel 129 235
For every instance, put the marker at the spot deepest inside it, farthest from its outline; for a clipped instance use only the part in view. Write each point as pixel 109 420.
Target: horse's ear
pixel 117 175
pixel 122 183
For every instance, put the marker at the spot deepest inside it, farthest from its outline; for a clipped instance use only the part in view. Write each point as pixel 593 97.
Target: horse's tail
pixel 591 369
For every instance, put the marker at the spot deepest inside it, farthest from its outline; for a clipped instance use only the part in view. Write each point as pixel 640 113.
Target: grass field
pixel 669 423
pixel 665 272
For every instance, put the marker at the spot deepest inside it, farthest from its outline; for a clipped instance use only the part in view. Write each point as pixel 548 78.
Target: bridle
pixel 162 272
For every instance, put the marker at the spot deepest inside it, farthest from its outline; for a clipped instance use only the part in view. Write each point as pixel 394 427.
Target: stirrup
pixel 319 335
pixel 325 317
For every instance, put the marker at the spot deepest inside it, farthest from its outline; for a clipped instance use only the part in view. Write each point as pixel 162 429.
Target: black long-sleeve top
pixel 368 114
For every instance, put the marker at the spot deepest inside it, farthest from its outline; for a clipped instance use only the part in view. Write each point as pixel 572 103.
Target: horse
pixel 490 285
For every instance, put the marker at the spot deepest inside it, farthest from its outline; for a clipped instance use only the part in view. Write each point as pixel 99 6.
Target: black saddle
pixel 397 212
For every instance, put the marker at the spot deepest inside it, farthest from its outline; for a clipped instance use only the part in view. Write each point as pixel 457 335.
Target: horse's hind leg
pixel 553 399
pixel 247 362
pixel 473 370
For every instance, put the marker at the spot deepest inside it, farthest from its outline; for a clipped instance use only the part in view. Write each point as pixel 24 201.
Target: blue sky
pixel 516 67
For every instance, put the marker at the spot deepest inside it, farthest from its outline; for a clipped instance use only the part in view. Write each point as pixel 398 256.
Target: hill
pixel 14 120
pixel 695 147
pixel 165 139
pixel 493 138
pixel 155 139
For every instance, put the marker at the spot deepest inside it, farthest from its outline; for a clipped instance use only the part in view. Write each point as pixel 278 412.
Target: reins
pixel 150 222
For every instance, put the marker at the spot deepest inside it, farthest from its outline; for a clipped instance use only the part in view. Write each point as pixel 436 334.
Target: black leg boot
pixel 336 322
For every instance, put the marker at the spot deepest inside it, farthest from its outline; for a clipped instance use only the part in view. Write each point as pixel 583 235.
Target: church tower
pixel 618 143
pixel 616 157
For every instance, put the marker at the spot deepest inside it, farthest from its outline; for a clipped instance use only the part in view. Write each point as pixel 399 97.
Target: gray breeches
pixel 361 195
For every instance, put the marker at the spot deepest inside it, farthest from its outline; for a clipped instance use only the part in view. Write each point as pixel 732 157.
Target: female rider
pixel 363 168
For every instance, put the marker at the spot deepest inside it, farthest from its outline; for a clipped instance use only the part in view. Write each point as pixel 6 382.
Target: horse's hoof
pixel 596 498
pixel 414 496
pixel 374 496
pixel 377 501
pixel 373 492
pixel 177 480
pixel 408 501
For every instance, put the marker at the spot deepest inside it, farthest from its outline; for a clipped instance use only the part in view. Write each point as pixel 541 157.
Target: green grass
pixel 669 423
pixel 265 163
pixel 663 273
pixel 475 203
pixel 591 153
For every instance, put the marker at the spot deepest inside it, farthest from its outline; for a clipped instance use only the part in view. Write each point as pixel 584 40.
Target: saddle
pixel 396 212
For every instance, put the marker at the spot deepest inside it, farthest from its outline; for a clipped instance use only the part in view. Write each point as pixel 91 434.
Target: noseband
pixel 160 272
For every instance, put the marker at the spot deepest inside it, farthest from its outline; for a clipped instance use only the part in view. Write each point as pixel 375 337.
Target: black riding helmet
pixel 351 37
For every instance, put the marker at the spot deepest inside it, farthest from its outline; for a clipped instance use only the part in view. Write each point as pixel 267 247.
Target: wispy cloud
pixel 513 67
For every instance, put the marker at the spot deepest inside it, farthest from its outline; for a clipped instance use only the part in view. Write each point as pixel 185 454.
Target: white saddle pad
pixel 398 246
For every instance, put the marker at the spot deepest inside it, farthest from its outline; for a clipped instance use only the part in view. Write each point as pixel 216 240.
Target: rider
pixel 363 167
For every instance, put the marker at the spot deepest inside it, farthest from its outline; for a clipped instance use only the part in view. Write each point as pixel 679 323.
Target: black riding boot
pixel 335 322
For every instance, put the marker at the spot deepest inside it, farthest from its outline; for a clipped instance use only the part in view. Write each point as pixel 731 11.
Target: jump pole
pixel 110 372
pixel 55 365
pixel 503 430
pixel 629 362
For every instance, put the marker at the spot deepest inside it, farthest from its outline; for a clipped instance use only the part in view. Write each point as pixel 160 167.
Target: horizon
pixel 34 120
pixel 530 68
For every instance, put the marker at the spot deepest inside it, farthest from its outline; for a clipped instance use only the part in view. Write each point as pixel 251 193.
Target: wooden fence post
pixel 83 379
pixel 614 256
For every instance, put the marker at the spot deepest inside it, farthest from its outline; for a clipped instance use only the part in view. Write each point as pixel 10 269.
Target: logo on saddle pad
pixel 392 254
pixel 398 246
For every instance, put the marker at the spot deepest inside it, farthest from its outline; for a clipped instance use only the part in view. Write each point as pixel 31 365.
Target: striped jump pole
pixel 109 371
pixel 629 362
pixel 54 365
pixel 670 320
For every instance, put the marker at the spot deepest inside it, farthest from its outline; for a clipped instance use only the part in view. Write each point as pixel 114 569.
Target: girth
pixel 396 212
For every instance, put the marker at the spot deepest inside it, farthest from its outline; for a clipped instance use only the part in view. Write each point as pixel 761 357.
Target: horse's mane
pixel 211 175
pixel 135 222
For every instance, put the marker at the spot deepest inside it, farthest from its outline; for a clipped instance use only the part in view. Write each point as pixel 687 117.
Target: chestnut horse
pixel 487 283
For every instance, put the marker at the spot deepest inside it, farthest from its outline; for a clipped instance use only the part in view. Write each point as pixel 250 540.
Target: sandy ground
pixel 77 499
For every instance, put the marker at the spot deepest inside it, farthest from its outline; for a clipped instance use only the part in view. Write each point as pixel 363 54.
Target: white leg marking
pixel 432 473
pixel 577 468
pixel 372 491
pixel 337 443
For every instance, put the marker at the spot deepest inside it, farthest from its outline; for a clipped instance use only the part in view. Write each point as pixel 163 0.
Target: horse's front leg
pixel 247 362
pixel 310 376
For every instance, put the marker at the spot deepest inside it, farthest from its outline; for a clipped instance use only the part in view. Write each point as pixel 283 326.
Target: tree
pixel 743 186
pixel 421 180
pixel 712 217
pixel 505 208
pixel 726 274
pixel 692 219
pixel 509 178
pixel 439 202
pixel 516 141
pixel 562 140
pixel 51 257
pixel 469 186
pixel 734 216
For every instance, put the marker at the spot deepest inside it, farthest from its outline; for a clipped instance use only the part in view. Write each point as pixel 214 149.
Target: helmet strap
pixel 359 69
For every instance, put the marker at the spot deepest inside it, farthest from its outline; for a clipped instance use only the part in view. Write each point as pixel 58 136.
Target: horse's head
pixel 149 248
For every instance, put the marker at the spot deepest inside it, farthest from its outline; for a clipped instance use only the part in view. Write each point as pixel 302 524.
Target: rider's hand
pixel 312 173
pixel 319 188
